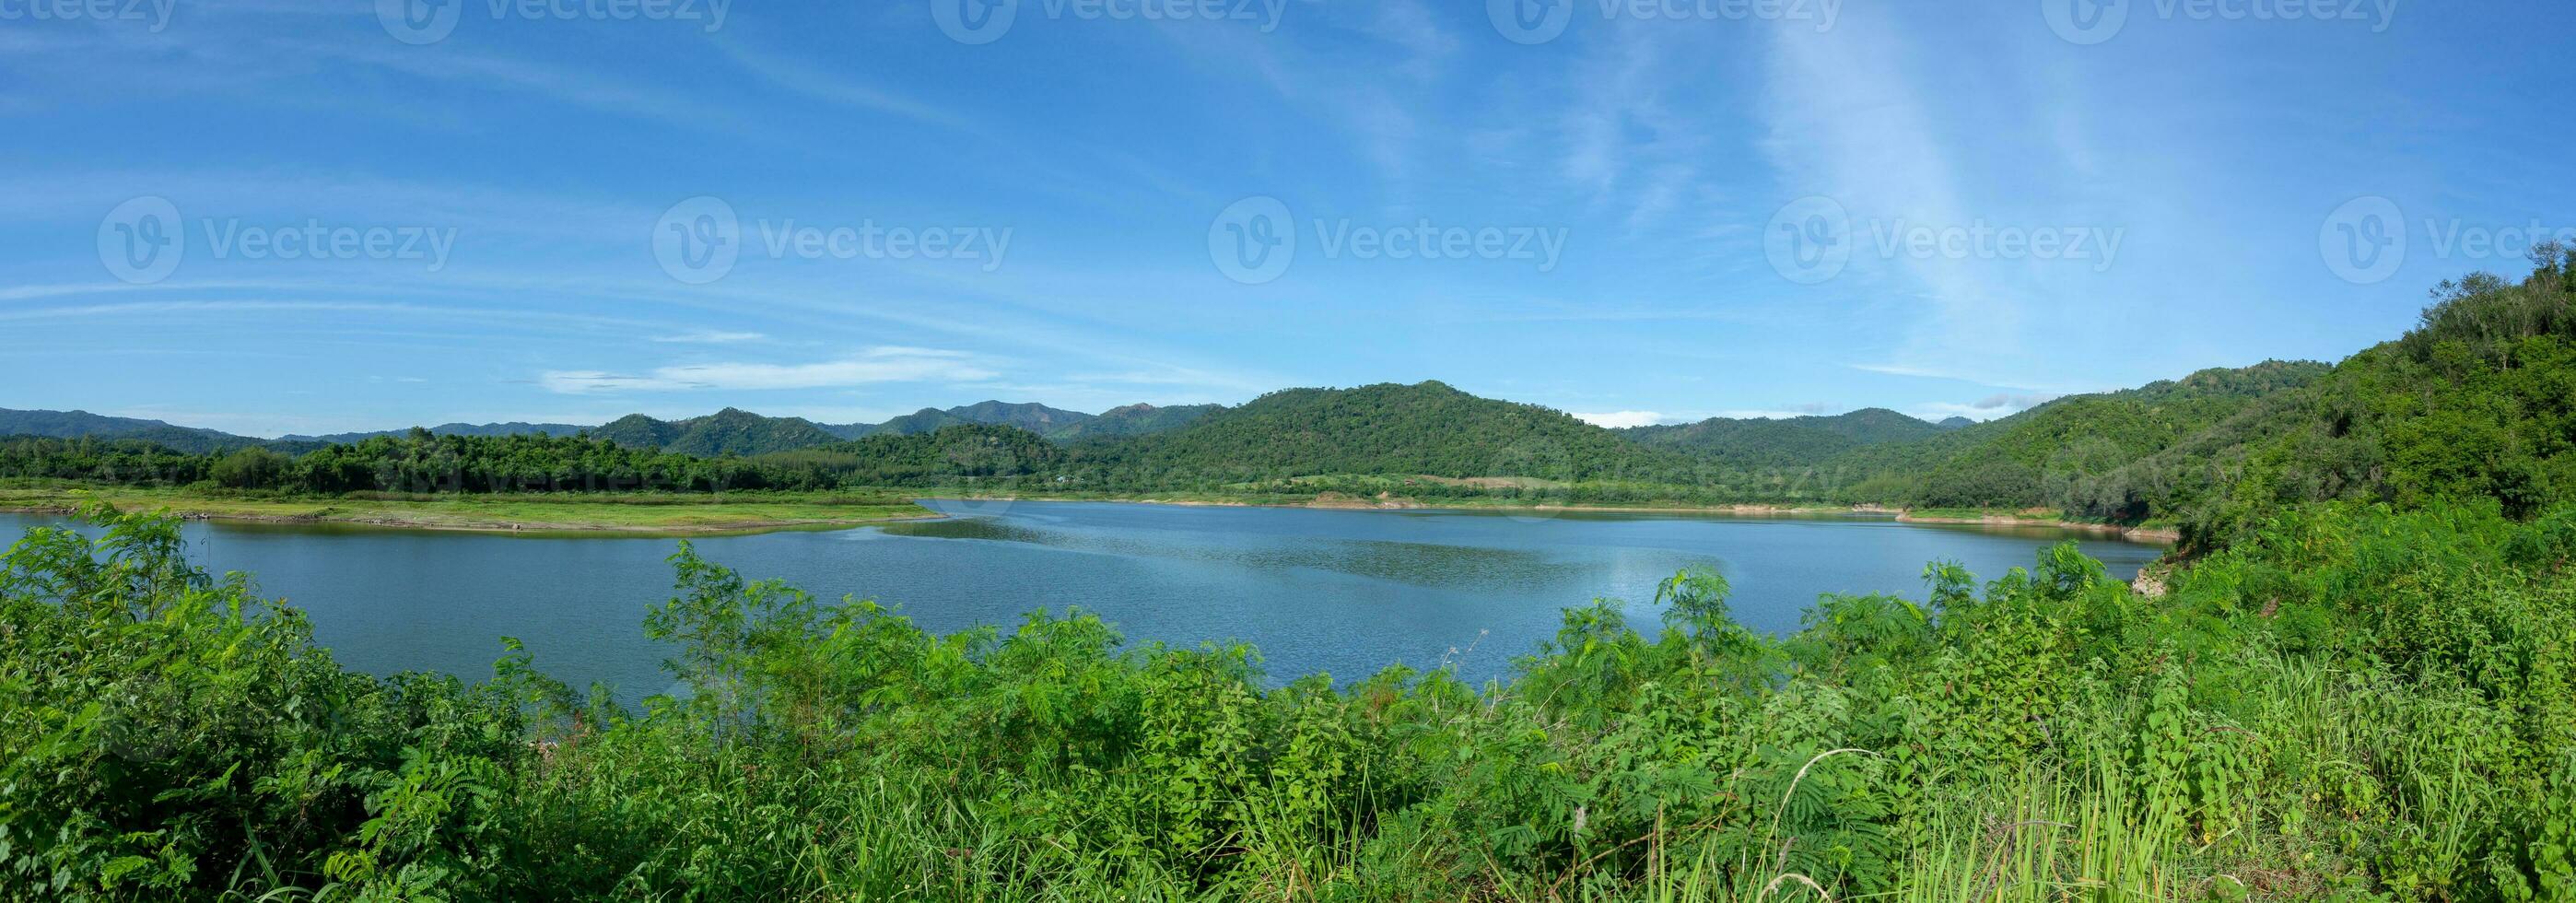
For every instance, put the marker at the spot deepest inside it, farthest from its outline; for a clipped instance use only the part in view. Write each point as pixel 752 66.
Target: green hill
pixel 2476 404
pixel 76 424
pixel 1133 420
pixel 514 428
pixel 2044 456
pixel 1764 442
pixel 731 431
pixel 1427 428
pixel 961 452
pixel 1030 416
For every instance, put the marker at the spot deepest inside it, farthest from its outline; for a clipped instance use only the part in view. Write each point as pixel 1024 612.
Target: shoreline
pixel 559 517
pixel 2136 534
pixel 2160 535
pixel 541 517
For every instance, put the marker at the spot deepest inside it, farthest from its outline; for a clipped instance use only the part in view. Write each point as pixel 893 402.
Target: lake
pixel 1347 592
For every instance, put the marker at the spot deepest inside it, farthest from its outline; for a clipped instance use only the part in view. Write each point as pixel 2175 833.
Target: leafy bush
pixel 2358 703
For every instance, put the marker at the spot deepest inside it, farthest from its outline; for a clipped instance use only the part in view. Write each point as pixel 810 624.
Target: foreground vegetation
pixel 2355 704
pixel 2361 687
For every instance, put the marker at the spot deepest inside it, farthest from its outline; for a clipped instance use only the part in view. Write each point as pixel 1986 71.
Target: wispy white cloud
pixel 711 337
pixel 876 365
pixel 1848 121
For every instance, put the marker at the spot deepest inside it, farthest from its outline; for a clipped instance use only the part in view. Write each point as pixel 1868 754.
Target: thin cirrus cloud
pixel 711 337
pixel 876 365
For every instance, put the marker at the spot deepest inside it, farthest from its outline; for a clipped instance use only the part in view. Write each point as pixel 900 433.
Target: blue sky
pixel 269 216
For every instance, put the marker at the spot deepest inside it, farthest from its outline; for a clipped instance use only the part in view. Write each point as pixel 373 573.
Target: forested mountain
pixel 1035 418
pixel 2037 457
pixel 731 431
pixel 1762 442
pixel 2477 403
pixel 1426 428
pixel 1030 416
pixel 1133 420
pixel 969 451
pixel 73 424
pixel 513 428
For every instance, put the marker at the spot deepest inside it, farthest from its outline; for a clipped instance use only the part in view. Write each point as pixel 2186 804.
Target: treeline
pixel 416 463
pixel 2472 404
pixel 423 463
pixel 118 461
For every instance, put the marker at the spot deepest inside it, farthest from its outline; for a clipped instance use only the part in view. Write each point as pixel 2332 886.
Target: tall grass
pixel 2361 705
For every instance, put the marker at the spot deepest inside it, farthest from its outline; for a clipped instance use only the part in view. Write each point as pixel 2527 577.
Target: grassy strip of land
pixel 757 511
pixel 1540 502
pixel 623 512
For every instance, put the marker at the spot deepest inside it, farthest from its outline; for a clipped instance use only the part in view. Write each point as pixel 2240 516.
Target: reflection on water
pixel 1348 592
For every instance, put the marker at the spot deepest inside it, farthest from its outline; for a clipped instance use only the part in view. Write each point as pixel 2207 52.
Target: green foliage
pixel 2362 687
pixel 727 432
pixel 1386 430
pixel 2357 703
pixel 1789 442
pixel 167 735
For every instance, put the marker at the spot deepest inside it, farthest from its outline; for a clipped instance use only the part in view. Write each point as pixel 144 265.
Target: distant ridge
pixel 449 429
pixel 731 431
pixel 1030 416
pixel 1762 442
pixel 76 424
pixel 1134 420
pixel 1426 428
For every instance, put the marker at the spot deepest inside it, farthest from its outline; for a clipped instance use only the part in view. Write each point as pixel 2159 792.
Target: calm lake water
pixel 1347 592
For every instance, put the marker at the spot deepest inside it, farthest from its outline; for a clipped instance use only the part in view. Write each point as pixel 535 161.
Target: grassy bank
pixel 2360 706
pixel 753 511
pixel 623 512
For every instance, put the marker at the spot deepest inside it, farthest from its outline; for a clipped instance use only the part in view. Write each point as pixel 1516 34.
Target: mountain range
pixel 733 431
pixel 729 431
pixel 2473 405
